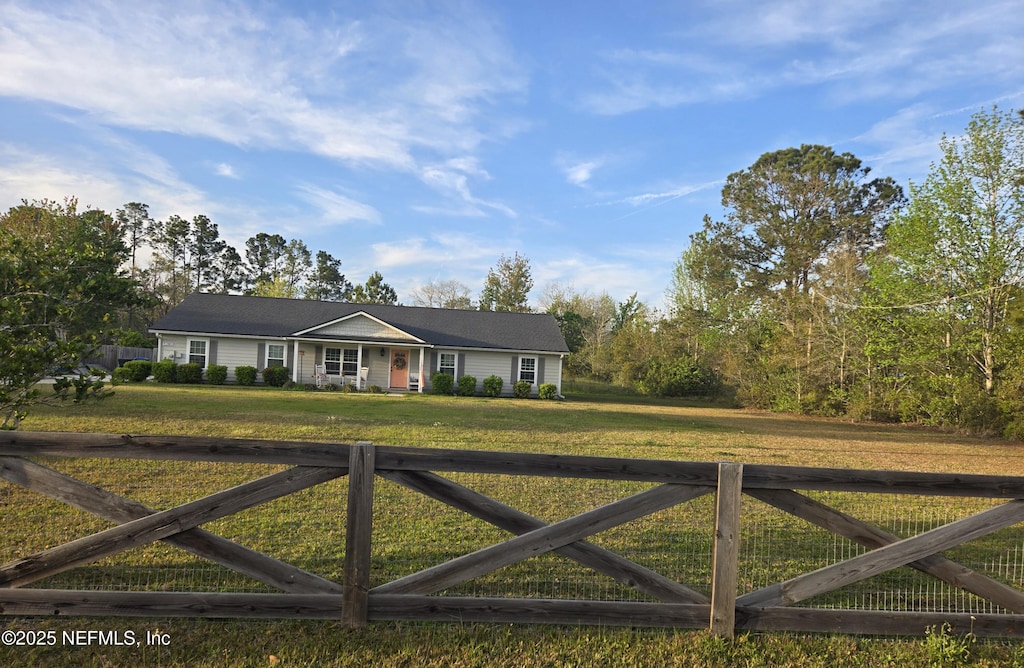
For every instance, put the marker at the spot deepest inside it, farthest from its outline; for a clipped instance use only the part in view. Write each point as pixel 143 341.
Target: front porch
pixel 393 367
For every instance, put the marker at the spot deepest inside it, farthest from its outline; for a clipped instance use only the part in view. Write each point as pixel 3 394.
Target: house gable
pixel 359 326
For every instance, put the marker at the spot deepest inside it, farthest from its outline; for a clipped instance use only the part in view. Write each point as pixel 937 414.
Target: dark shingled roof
pixel 265 316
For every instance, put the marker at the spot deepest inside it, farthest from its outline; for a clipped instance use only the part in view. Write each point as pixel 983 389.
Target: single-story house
pixel 393 347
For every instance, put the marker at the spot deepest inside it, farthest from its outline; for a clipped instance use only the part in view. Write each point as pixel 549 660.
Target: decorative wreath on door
pixel 399 363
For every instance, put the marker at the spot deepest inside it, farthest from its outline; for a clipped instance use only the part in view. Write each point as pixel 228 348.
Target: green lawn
pixel 308 528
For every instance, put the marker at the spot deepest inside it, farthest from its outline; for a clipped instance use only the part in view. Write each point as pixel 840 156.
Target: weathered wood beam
pixel 540 541
pixel 886 558
pixel 181 448
pixel 870 536
pixel 727 549
pixel 358 536
pixel 72 603
pixel 162 524
pixel 202 543
pixel 515 521
pixel 877 622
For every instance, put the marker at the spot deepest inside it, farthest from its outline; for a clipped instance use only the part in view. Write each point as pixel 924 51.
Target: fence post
pixel 727 544
pixel 357 536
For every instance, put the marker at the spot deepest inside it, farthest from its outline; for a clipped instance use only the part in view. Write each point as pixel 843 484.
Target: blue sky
pixel 426 139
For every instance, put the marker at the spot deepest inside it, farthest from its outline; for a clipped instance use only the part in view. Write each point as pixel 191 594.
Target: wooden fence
pixel 110 357
pixel 356 601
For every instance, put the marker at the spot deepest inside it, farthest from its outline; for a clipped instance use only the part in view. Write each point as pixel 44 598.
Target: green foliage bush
pixel 137 370
pixel 276 376
pixel 216 374
pixel 492 386
pixel 245 375
pixel 522 389
pixel 548 391
pixel 678 378
pixel 467 386
pixel 375 389
pixel 442 383
pixel 165 371
pixel 190 373
pixel 120 376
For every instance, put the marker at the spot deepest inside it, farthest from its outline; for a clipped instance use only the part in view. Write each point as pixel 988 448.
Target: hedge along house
pixel 393 347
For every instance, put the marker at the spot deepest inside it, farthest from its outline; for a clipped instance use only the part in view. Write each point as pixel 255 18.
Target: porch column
pixel 561 358
pixel 359 368
pixel 423 381
pixel 295 362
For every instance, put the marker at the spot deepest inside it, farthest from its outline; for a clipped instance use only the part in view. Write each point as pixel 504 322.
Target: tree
pixel 791 216
pixel 295 265
pixel 586 322
pixel 60 284
pixel 374 291
pixel 507 285
pixel 171 241
pixel 326 282
pixel 204 247
pixel 134 221
pixel 443 294
pixel 227 273
pixel 263 253
pixel 954 261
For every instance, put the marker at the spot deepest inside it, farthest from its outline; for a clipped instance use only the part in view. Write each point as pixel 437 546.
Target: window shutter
pixel 460 369
pixel 433 362
pixel 211 357
pixel 540 370
pixel 318 355
pixel 289 354
pixel 261 355
pixel 515 369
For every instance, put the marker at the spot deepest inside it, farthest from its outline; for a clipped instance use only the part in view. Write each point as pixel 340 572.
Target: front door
pixel 399 369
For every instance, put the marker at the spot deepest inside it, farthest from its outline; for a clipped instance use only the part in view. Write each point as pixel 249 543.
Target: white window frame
pixel 532 371
pixel 283 359
pixel 443 368
pixel 332 366
pixel 350 362
pixel 205 354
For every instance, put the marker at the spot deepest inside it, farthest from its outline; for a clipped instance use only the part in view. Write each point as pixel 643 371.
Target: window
pixel 350 362
pixel 275 354
pixel 528 369
pixel 446 363
pixel 332 361
pixel 338 362
pixel 197 352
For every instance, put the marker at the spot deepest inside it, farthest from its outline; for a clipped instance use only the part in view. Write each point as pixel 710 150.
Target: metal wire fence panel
pixel 777 546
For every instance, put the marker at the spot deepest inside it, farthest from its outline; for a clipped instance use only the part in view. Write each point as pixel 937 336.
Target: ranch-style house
pixel 397 348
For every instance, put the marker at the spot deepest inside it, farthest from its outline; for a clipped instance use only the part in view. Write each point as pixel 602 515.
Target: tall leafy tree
pixel 954 262
pixel 263 253
pixel 374 291
pixel 326 282
pixel 205 247
pixel 134 221
pixel 296 263
pixel 507 286
pixel 61 283
pixel 171 240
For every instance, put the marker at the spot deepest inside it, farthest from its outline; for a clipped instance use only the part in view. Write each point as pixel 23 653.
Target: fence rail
pixel 723 604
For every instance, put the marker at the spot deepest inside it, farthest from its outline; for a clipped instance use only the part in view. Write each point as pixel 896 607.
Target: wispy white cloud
pixel 224 72
pixel 336 208
pixel 225 170
pixel 437 251
pixel 578 172
pixel 451 180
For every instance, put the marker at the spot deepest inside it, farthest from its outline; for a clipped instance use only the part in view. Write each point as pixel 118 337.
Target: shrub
pixel 120 375
pixel 492 386
pixel 245 375
pixel 165 371
pixel 467 386
pixel 276 376
pixel 522 389
pixel 548 391
pixel 348 388
pixel 216 374
pixel 375 389
pixel 190 373
pixel 442 383
pixel 137 370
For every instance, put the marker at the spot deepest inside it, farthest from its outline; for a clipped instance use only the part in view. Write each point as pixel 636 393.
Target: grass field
pixel 308 529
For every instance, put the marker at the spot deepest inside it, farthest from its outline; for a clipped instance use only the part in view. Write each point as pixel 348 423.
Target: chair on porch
pixel 320 374
pixel 364 373
pixel 414 382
